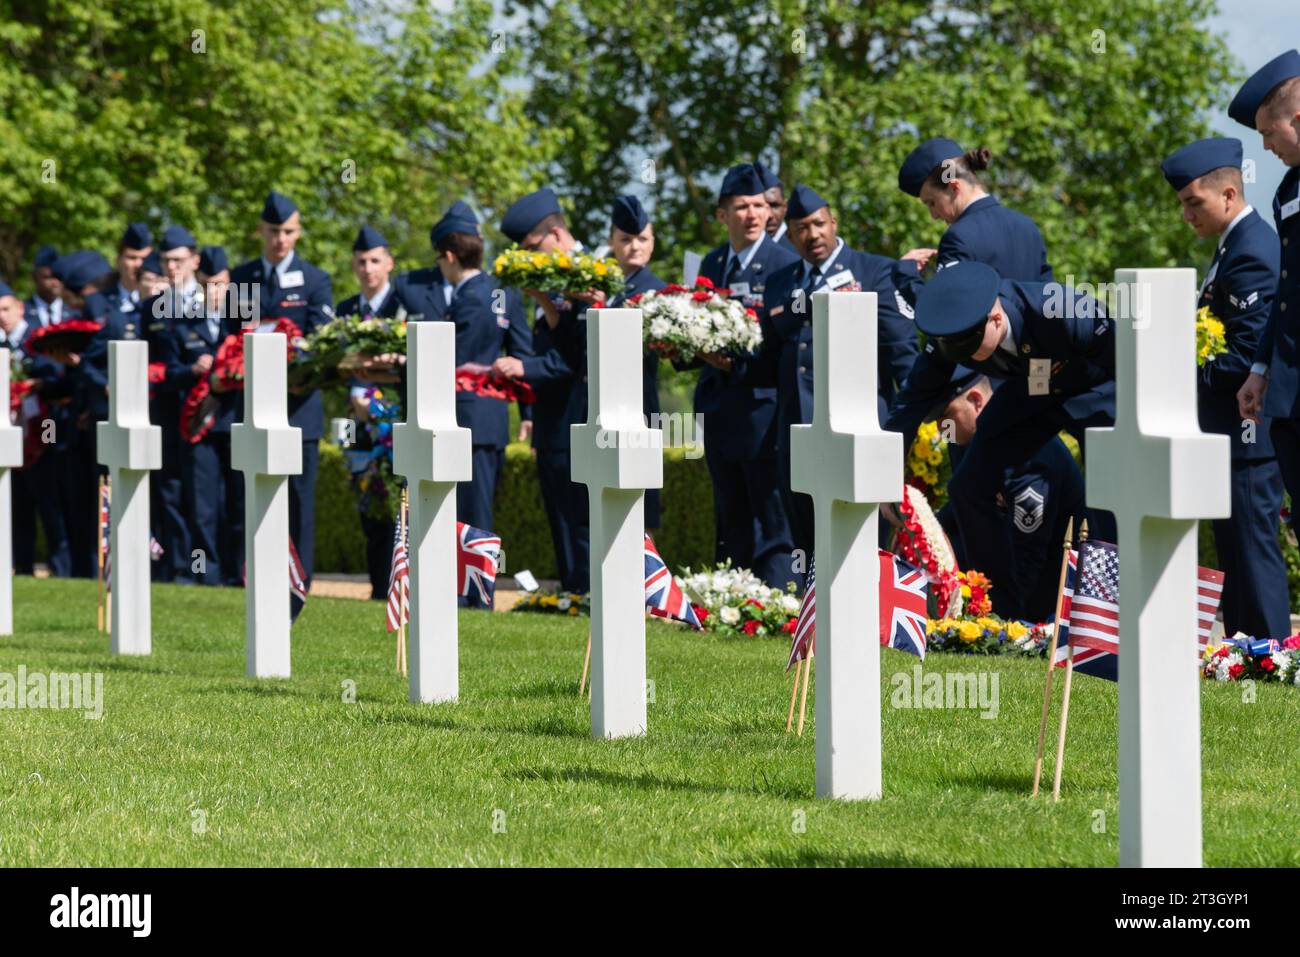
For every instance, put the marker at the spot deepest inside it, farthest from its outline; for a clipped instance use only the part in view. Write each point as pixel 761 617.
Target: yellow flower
pixel 573 609
pixel 965 591
pixel 539 260
pixel 992 624
pixel 564 262
pixel 1016 630
pixel 969 631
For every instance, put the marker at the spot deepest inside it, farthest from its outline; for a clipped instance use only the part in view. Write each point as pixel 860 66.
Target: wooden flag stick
pixel 1065 698
pixel 794 693
pixel 1051 657
pixel 803 700
pixel 99 550
pixel 586 663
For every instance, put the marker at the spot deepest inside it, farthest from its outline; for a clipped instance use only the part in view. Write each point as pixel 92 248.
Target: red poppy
pixel 1266 663
pixel 1234 671
pixel 701 296
pixel 701 613
pixel 757 604
pixel 704 281
pixel 790 626
pixel 750 627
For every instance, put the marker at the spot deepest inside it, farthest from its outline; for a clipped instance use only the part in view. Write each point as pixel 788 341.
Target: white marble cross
pixel 1159 474
pixel 267 450
pixel 617 458
pixel 11 457
pixel 849 466
pixel 433 453
pixel 130 447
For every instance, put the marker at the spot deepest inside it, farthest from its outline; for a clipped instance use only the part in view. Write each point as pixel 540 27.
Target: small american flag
pixel 297 574
pixel 477 555
pixel 663 596
pixel 805 628
pixel 1094 610
pixel 1101 659
pixel 904 596
pixel 106 536
pixel 399 580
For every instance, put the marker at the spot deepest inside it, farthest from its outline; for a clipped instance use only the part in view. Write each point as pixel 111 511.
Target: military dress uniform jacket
pixel 990 233
pixel 740 420
pixel 1060 334
pixel 1279 347
pixel 1239 290
pixel 639 283
pixel 305 297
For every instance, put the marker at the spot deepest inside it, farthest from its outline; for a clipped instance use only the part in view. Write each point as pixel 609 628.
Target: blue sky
pixel 1257 31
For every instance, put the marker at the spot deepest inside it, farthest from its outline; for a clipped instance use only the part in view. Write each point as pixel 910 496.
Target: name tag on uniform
pixel 291 280
pixel 841 278
pixel 1040 376
pixel 739 289
pixel 1291 208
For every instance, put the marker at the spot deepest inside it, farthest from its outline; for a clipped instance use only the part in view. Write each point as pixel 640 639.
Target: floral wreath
pixel 201 407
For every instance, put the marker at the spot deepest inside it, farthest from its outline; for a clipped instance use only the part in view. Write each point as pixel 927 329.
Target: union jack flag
pixel 904 596
pixel 477 555
pixel 663 596
pixel 805 628
pixel 1101 662
pixel 399 580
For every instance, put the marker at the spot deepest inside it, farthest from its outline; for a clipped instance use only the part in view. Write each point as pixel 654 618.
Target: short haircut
pixel 547 223
pixel 1225 176
pixel 466 247
pixel 1283 99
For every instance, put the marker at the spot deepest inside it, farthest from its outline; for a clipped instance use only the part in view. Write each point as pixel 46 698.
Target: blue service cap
pixel 629 215
pixel 177 237
pixel 277 208
pixel 1255 90
pixel 137 236
pixel 742 180
pixel 76 270
pixel 923 160
pixel 4 289
pixel 153 263
pixel 212 260
pixel 804 201
pixel 1196 159
pixel 963 378
pixel 45 256
pixel 460 218
pixel 526 213
pixel 767 177
pixel 368 238
pixel 957 299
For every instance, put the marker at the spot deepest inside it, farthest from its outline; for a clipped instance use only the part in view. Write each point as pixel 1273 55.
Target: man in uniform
pixel 280 284
pixel 1238 289
pixel 124 293
pixel 785 360
pixel 557 372
pixel 45 307
pixel 1270 103
pixel 774 193
pixel 1036 502
pixel 1056 352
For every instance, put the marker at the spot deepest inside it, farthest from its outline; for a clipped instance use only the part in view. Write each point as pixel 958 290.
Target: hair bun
pixel 978 159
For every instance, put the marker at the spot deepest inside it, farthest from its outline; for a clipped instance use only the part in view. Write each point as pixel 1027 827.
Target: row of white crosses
pixel 1160 475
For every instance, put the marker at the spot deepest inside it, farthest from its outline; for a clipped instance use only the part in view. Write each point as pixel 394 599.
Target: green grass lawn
pixel 286 772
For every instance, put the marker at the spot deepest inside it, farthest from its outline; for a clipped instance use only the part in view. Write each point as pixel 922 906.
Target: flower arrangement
pixel 202 404
pixel 1258 659
pixel 681 323
pixel 928 465
pixel 554 603
pixel 987 635
pixel 922 541
pixel 559 272
pixel 370 461
pixel 70 336
pixel 1211 339
pixel 735 601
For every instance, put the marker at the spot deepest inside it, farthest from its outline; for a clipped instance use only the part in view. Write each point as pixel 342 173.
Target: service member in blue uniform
pixel 13 336
pixel 785 360
pixel 1238 289
pixel 372 265
pixel 632 241
pixel 1270 103
pixel 557 373
pixel 774 192
pixel 124 293
pixel 1054 348
pixel 1036 502
pixel 212 492
pixel 45 307
pixel 946 179
pixel 283 285
pixel 752 529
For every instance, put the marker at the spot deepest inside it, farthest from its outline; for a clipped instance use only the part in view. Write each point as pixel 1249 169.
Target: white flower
pixel 730 615
pixel 563 604
pixel 790 604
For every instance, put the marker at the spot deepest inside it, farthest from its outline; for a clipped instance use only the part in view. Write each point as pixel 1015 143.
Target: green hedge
pixel 686 537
